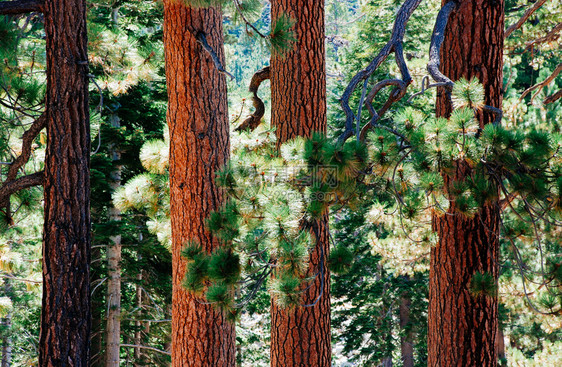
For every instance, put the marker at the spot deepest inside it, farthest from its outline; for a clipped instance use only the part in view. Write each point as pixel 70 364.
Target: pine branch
pixel 202 39
pixel 254 119
pixel 553 97
pixel 524 18
pixel 549 37
pixel 27 141
pixel 542 84
pixel 393 45
pixel 16 7
pixel 10 187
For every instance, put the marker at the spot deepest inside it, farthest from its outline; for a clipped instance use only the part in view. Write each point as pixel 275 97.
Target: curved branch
pixel 393 45
pixel 437 39
pixel 524 18
pixel 202 39
pixel 15 7
pixel 252 121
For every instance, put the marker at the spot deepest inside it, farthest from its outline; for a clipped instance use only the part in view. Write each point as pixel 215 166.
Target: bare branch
pixel 393 45
pixel 252 121
pixel 542 84
pixel 24 182
pixel 20 7
pixel 436 41
pixel 524 18
pixel 203 41
pixel 553 97
pixel 146 347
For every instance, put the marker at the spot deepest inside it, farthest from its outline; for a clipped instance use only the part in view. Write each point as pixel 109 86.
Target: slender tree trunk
pixel 65 316
pixel 138 332
pixel 500 347
pixel 407 336
pixel 7 326
pixel 462 327
pixel 114 265
pixel 199 146
pixel 301 337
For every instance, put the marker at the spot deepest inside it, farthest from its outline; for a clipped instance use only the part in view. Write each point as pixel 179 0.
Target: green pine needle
pixel 468 94
pixel 341 259
pixel 224 266
pixel 282 37
pixel 483 285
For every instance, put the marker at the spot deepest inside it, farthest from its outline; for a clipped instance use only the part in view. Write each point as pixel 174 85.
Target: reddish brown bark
pixel 199 145
pixel 301 337
pixel 462 327
pixel 65 316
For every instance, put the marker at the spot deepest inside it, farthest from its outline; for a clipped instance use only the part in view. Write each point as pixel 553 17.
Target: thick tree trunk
pixel 65 316
pixel 114 266
pixel 301 337
pixel 199 146
pixel 462 327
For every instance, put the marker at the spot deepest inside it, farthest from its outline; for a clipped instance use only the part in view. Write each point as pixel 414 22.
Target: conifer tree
pixel 199 147
pixel 462 327
pixel 301 336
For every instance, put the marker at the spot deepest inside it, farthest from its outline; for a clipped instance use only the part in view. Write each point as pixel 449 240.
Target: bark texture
pixel 65 316
pixel 199 146
pixel 301 337
pixel 462 327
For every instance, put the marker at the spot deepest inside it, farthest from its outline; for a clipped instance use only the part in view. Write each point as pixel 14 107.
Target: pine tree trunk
pixel 65 316
pixel 406 337
pixel 462 327
pixel 301 337
pixel 199 146
pixel 7 326
pixel 114 265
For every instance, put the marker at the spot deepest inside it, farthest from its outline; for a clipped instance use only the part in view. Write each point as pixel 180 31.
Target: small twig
pixel 200 36
pixel 248 24
pixel 146 347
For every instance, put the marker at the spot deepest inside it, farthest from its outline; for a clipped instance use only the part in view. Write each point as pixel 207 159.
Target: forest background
pixel 379 305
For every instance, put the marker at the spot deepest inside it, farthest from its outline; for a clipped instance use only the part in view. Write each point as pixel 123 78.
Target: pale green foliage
pixel 468 94
pixel 154 156
pixel 123 61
